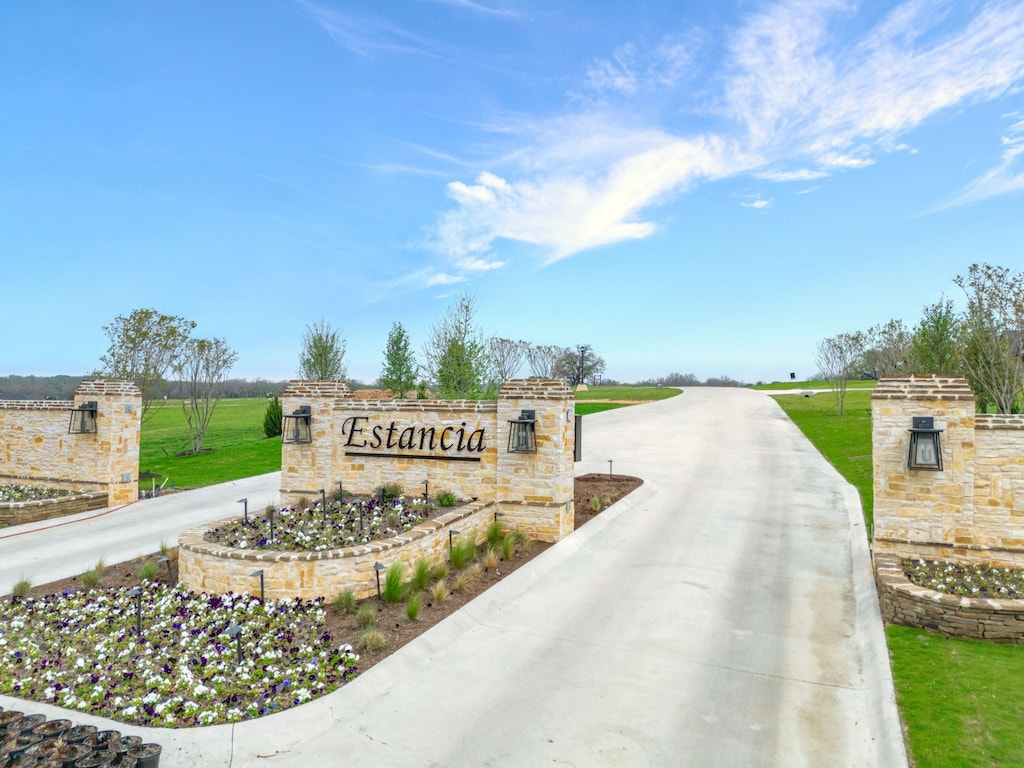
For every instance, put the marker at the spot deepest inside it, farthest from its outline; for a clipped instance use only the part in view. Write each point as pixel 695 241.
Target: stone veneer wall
pixel 36 448
pixel 216 569
pixel 907 604
pixel 18 512
pixel 533 491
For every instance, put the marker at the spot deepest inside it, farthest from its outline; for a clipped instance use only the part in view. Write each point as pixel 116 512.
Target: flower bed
pixel 316 528
pixel 953 615
pixel 21 504
pixel 13 492
pixel 81 651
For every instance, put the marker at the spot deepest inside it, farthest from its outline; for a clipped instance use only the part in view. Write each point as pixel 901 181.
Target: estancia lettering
pixel 393 437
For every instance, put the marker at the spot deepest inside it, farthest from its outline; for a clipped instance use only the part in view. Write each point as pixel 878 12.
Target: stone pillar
pixel 535 490
pixel 925 513
pixel 308 467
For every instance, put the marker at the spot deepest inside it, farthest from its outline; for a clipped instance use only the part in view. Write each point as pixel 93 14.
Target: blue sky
pixel 708 188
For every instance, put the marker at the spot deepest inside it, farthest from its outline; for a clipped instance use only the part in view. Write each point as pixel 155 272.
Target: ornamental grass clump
pixel 595 503
pixel 344 601
pixel 463 552
pixel 440 591
pixel 420 579
pixel 149 570
pixel 494 535
pixel 80 651
pixel 373 641
pixel 510 543
pixel 412 607
pixel 394 583
pixel 366 616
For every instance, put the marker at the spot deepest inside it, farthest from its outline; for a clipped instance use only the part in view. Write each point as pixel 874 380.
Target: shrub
pixel 344 601
pixel 272 418
pixel 446 499
pixel 421 575
pixel 394 584
pixel 392 491
pixel 463 552
pixel 373 641
pixel 412 608
pixel 366 616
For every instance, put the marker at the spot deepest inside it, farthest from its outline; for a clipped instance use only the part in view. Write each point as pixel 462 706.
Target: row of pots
pixel 32 741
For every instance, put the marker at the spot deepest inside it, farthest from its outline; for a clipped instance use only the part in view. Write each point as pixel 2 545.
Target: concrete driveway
pixel 723 614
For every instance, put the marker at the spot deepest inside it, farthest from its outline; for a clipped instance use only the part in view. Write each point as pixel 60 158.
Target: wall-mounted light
pixel 83 419
pixel 522 433
pixel 925 445
pixel 295 425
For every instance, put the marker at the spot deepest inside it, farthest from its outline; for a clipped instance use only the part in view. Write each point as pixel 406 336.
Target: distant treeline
pixel 63 387
pixel 689 380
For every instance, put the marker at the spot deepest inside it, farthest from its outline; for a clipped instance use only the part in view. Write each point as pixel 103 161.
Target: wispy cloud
pixel 482 8
pixel 1005 178
pixel 368 34
pixel 798 103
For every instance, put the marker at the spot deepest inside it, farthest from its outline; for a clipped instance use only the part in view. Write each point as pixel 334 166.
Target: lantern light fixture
pixel 83 418
pixel 925 445
pixel 295 426
pixel 522 433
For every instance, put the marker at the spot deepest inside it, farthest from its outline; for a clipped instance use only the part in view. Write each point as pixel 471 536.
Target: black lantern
pixel 295 426
pixel 522 434
pixel 83 419
pixel 925 445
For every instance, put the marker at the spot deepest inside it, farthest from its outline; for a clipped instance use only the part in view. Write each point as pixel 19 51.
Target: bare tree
pixel 579 365
pixel 201 368
pixel 507 357
pixel 144 346
pixel 323 353
pixel 544 359
pixel 887 347
pixel 836 358
pixel 991 335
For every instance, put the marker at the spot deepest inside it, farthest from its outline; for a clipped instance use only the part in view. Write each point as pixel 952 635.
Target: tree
pixel 201 367
pixel 579 365
pixel 544 359
pixel 272 418
pixel 144 346
pixel 399 374
pixel 934 342
pixel 990 333
pixel 837 356
pixel 507 357
pixel 323 353
pixel 887 349
pixel 456 355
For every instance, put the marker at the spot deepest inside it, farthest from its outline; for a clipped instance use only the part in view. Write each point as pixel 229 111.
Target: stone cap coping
pixel 923 388
pixel 316 389
pixel 999 421
pixel 193 540
pixel 37 405
pixel 418 406
pixel 890 572
pixel 536 389
pixel 94 387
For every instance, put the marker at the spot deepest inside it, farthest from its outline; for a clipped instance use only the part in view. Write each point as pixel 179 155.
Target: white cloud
pixel 758 204
pixel 799 103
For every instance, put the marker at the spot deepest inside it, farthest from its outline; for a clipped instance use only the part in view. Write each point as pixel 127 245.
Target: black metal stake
pixel 451 533
pixel 167 560
pixel 136 592
pixel 259 573
pixel 270 517
pixel 235 631
pixel 341 491
pixel 245 509
pixel 609 467
pixel 323 503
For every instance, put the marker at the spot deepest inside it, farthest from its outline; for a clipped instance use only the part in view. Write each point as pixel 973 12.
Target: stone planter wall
pixel 907 604
pixel 213 568
pixel 37 449
pixel 18 512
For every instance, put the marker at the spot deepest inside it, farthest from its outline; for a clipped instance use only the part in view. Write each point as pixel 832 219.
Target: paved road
pixel 721 615
pixel 53 549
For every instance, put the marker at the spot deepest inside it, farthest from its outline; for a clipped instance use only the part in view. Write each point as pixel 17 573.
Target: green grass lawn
pixel 586 400
pixel 961 700
pixel 235 445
